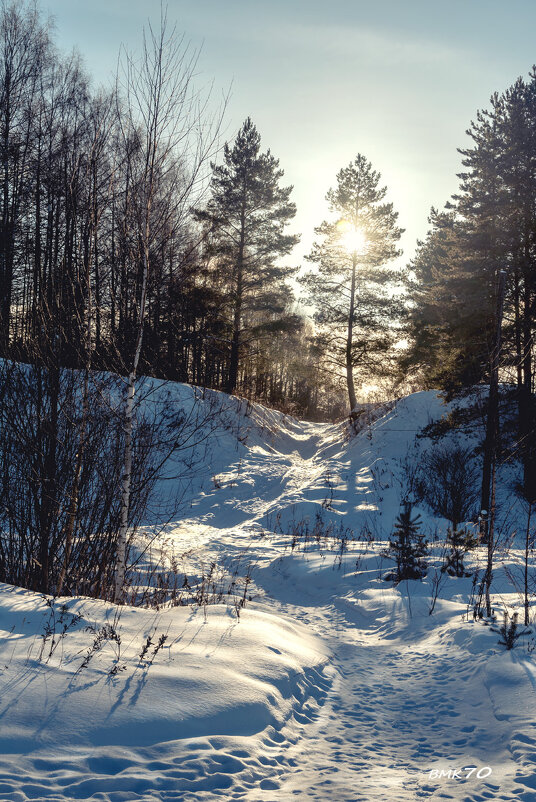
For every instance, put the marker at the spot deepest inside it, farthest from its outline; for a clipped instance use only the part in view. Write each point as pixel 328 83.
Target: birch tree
pixel 167 143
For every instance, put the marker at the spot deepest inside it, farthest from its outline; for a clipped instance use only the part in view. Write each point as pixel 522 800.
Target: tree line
pixel 75 228
pixel 487 228
pixel 219 301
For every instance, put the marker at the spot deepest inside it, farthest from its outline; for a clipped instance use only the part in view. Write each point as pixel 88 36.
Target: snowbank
pixel 86 691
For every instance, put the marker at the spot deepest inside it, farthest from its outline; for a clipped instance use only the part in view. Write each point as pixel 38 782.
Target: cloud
pixel 387 47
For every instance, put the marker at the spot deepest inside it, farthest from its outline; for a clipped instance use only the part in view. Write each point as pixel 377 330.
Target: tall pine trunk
pixel 526 402
pixel 237 315
pixel 349 339
pixel 526 566
pixel 492 422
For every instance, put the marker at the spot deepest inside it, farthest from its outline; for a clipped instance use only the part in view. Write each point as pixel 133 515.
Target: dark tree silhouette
pixel 245 219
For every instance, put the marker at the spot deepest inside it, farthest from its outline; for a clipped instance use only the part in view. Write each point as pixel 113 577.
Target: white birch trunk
pixel 120 566
pixel 125 491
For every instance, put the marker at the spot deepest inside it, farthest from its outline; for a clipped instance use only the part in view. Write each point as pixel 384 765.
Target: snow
pixel 330 683
pixel 214 677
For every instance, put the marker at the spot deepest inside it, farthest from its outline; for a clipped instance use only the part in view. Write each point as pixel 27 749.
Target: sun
pixel 352 238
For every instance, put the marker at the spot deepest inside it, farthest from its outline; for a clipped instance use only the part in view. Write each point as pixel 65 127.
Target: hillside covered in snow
pixel 282 664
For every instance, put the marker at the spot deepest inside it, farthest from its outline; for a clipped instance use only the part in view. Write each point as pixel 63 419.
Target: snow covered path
pixel 411 694
pixel 402 705
pixel 333 685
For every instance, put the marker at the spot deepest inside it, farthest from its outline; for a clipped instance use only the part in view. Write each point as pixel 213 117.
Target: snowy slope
pixel 332 683
pixel 184 721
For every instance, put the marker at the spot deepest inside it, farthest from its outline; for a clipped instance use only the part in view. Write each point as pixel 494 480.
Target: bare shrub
pixel 326 537
pixel 50 528
pixel 449 483
pixel 59 527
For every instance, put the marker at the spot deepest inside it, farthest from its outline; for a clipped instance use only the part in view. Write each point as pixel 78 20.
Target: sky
pixel 396 80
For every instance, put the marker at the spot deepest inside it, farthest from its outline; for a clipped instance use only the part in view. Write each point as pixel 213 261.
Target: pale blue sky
pixel 396 80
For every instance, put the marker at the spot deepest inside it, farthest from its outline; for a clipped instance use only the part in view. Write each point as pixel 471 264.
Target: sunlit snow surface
pixel 333 684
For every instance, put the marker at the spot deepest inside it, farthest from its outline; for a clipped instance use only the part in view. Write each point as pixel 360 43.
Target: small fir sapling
pixel 459 542
pixel 509 631
pixel 408 548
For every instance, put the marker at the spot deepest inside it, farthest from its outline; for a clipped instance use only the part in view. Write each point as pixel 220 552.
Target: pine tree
pixel 407 547
pixel 246 217
pixel 450 321
pixel 489 227
pixel 350 287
